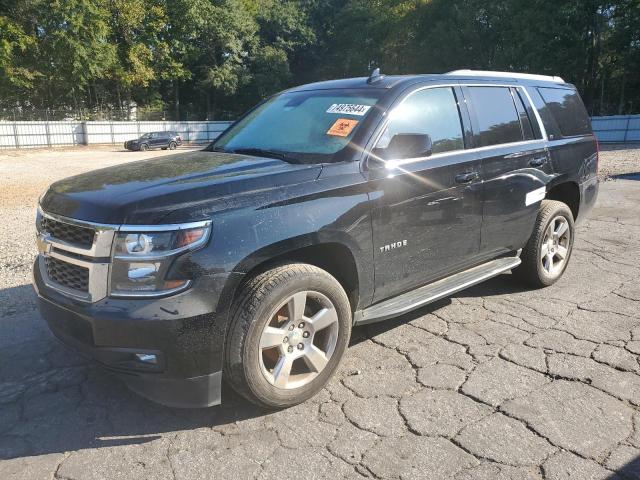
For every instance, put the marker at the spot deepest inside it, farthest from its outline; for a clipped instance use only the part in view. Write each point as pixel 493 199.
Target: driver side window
pixel 432 111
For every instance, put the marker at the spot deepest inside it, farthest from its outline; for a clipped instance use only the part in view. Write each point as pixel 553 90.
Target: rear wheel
pixel 289 330
pixel 172 146
pixel 547 253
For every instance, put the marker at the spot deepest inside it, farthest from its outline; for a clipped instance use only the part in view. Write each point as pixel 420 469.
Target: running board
pixel 434 291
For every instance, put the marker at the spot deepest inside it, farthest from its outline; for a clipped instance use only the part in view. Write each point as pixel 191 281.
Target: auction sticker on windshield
pixel 349 109
pixel 342 127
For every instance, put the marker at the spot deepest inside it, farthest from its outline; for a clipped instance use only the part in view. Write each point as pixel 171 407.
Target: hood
pixel 193 183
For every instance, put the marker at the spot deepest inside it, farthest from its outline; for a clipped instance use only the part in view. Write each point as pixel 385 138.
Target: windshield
pixel 304 126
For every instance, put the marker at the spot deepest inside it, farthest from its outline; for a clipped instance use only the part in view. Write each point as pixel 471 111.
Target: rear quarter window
pixel 567 109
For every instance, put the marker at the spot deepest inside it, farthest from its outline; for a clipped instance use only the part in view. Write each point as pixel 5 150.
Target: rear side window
pixel 496 115
pixel 525 121
pixel 567 110
pixel 433 111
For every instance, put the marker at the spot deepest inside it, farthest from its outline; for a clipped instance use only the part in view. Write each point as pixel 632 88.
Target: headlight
pixel 141 260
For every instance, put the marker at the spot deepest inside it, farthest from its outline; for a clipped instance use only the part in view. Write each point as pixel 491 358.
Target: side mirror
pixel 406 145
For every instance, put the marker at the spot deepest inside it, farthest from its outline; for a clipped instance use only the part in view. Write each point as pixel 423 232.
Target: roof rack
pixel 525 76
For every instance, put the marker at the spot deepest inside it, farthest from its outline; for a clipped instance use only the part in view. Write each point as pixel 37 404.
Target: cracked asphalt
pixel 497 382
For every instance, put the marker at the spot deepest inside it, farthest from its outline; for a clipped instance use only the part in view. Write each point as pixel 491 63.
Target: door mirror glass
pixel 406 145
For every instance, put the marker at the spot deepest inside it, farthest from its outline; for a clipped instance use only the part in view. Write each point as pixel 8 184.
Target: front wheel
pixel 290 328
pixel 172 146
pixel 144 147
pixel 547 253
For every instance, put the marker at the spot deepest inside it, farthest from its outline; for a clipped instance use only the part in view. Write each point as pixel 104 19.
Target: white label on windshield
pixel 349 109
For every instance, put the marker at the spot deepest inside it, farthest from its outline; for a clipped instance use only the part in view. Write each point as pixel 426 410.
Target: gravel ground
pixel 497 382
pixel 24 176
pixel 618 160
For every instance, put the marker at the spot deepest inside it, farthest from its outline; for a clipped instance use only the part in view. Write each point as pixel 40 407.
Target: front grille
pixel 69 233
pixel 67 274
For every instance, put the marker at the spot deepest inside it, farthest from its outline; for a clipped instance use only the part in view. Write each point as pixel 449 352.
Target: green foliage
pixel 13 44
pixel 218 57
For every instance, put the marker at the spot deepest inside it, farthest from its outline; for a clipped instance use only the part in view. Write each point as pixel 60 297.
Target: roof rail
pixel 526 76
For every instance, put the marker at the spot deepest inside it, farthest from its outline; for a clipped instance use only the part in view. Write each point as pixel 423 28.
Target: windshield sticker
pixel 342 127
pixel 349 109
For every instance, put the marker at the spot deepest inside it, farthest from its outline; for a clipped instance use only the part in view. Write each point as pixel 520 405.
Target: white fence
pixel 50 134
pixel 613 129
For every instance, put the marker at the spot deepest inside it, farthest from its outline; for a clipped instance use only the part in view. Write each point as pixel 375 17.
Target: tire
pixel 534 269
pixel 255 355
pixel 172 146
pixel 144 147
pixel 163 148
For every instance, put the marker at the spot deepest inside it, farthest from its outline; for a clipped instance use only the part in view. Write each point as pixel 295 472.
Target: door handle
pixel 466 177
pixel 538 162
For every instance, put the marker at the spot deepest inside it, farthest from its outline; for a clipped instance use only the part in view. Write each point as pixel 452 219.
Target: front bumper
pixel 183 332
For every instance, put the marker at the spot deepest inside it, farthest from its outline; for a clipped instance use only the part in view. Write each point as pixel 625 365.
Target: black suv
pixel 151 140
pixel 329 205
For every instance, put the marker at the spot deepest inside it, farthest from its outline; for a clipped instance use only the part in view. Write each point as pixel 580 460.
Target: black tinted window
pixel 525 121
pixel 498 120
pixel 568 111
pixel 433 111
pixel 314 125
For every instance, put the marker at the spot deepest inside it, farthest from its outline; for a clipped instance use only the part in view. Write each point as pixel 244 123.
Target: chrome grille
pixel 74 255
pixel 67 274
pixel 75 234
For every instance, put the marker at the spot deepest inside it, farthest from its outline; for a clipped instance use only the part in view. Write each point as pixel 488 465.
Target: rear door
pixel 426 212
pixel 514 165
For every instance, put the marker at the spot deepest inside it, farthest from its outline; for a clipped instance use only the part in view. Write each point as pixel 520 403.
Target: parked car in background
pixel 150 140
pixel 330 205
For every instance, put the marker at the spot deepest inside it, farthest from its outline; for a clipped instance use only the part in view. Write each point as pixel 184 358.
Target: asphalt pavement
pixel 497 382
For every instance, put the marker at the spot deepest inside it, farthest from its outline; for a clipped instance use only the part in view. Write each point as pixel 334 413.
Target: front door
pixel 426 211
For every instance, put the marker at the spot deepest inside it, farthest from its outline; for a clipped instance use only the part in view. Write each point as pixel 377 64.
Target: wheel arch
pixel 335 257
pixel 567 192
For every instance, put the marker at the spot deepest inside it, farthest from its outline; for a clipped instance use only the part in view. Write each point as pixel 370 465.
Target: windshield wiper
pixel 264 153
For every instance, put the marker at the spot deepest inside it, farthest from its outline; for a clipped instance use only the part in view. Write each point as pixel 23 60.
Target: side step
pixel 434 291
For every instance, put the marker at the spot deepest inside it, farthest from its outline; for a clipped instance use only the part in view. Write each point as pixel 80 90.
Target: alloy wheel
pixel 555 246
pixel 298 340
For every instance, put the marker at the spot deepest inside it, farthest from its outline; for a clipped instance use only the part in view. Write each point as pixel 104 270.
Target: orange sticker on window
pixel 342 127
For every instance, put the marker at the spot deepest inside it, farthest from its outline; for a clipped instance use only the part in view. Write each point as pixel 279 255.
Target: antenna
pixel 375 76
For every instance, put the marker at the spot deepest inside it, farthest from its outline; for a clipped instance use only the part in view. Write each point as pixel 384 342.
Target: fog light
pixel 147 358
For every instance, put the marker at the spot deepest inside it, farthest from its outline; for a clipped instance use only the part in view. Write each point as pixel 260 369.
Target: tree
pixel 14 42
pixel 216 58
